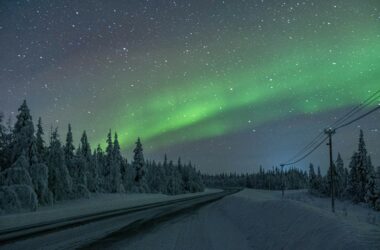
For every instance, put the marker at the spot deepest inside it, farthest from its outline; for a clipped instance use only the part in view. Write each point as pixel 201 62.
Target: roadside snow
pixel 355 214
pixel 96 203
pixel 256 219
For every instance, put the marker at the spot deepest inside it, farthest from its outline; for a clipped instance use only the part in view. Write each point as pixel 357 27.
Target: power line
pixel 357 109
pixel 339 122
pixel 302 158
pixel 359 118
pixel 307 147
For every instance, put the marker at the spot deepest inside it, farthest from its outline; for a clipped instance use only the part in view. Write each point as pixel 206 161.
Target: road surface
pixel 101 227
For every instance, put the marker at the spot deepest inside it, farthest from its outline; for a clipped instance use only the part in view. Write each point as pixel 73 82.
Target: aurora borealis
pixel 227 84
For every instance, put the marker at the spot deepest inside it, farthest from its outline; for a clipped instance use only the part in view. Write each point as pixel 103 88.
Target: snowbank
pixel 273 223
pixel 355 214
pixel 97 203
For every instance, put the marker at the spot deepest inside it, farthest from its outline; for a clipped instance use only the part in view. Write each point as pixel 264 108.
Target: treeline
pixel 272 179
pixel 33 173
pixel 360 182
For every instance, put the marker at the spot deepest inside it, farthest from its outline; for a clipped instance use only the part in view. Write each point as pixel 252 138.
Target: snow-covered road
pixel 73 234
pixel 255 219
pixel 250 219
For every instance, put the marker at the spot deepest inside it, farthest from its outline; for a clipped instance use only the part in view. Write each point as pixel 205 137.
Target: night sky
pixel 229 85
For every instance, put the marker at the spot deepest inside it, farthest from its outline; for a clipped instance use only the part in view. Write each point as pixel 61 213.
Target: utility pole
pixel 282 181
pixel 330 132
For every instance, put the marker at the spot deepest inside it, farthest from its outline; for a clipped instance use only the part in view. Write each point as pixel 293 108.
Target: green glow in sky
pixel 302 82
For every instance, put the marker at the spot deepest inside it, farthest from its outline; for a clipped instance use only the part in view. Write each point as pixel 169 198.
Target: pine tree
pixel 80 172
pixel 173 184
pixel 115 167
pixel 70 154
pixel 99 159
pixel 186 178
pixel 165 165
pixel 129 178
pixel 85 146
pixel 340 177
pixel 155 177
pixel 319 181
pixel 40 171
pixel 313 188
pixel 138 162
pixel 23 136
pixel 40 143
pixel 359 172
pixel 69 146
pixel 8 140
pixel 124 173
pixel 3 146
pixel 371 196
pixel 363 167
pixel 353 179
pixel 60 182
pixel 377 190
pixel 109 162
pixel 88 164
pixel 196 183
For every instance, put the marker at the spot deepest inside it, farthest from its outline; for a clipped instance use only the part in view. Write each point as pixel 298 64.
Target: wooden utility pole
pixel 330 132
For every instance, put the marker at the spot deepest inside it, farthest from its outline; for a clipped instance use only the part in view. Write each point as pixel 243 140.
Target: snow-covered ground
pixel 355 214
pixel 256 219
pixel 97 203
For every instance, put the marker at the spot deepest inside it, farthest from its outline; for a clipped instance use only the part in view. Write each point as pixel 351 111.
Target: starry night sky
pixel 229 85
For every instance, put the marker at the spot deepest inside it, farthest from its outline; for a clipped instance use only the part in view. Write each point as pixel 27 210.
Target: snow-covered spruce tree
pixel 107 184
pixel 90 168
pixel 150 176
pixel 40 142
pixel 3 145
pixel 23 136
pixel 17 174
pixel 363 167
pixel 174 180
pixel 196 183
pixel 313 185
pixel 160 168
pixel 60 182
pixel 125 178
pixel 24 144
pixel 340 184
pixel 165 165
pixel 85 146
pixel 115 168
pixel 7 140
pixel 79 169
pixel 99 161
pixel 39 171
pixel 17 198
pixel 139 166
pixel 69 151
pixel 353 179
pixel 359 172
pixel 180 169
pixel 155 177
pixel 377 189
pixel 319 181
pixel 370 196
pixel 129 178
pixel 186 177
